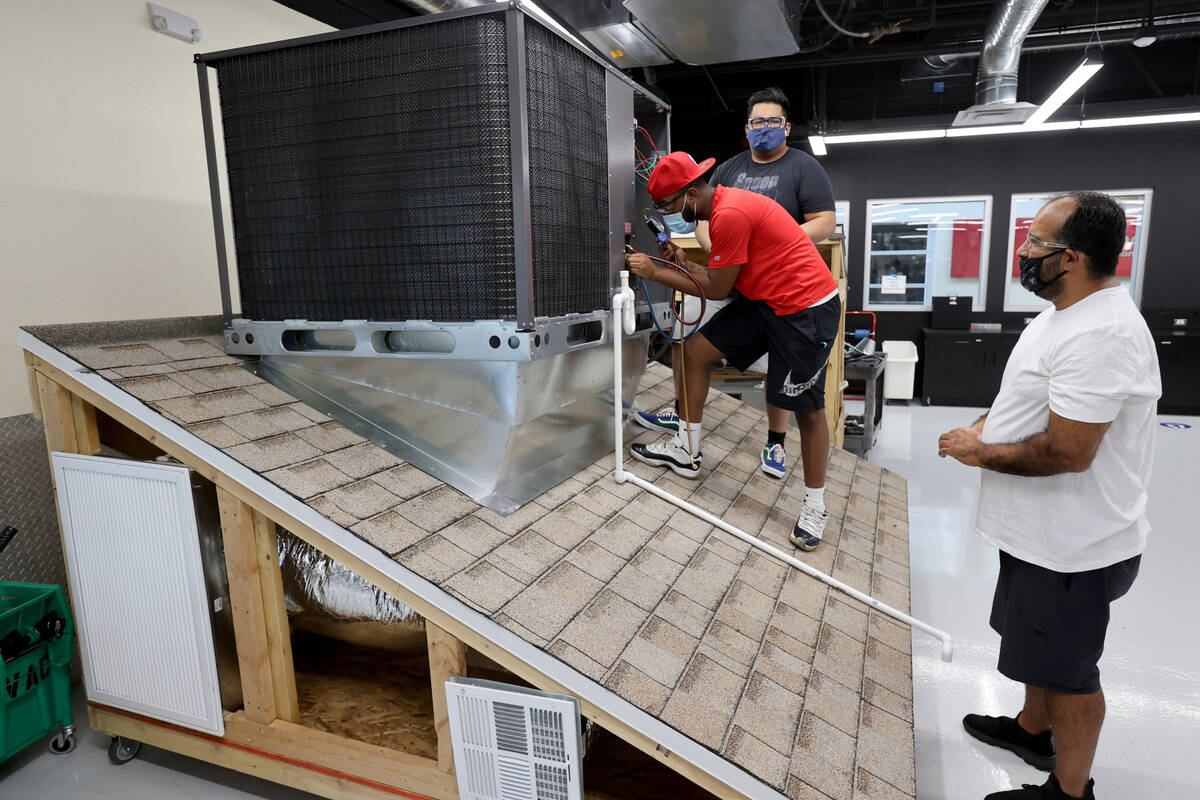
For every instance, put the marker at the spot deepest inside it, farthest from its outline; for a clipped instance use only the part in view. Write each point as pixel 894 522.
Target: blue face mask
pixel 766 139
pixel 676 223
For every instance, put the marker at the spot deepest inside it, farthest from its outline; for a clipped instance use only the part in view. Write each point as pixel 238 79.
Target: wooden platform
pixel 742 676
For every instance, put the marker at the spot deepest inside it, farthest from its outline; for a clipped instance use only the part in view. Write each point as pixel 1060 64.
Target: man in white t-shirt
pixel 1065 451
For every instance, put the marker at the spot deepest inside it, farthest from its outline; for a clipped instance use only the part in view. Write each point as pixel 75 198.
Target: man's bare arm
pixel 819 225
pixel 716 283
pixel 1065 446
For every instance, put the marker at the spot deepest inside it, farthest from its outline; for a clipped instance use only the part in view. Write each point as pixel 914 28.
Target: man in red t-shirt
pixel 787 306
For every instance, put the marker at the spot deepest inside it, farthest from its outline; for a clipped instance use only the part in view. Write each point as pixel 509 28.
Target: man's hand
pixel 961 444
pixel 641 265
pixel 672 252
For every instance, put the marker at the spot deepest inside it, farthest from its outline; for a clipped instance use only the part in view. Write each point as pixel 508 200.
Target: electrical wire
pixel 833 23
pixel 699 293
pixel 644 164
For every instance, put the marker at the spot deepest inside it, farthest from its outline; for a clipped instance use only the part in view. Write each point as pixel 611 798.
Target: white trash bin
pixel 900 372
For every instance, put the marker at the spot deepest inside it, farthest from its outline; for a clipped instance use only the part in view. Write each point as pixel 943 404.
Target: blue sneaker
pixel 664 421
pixel 774 460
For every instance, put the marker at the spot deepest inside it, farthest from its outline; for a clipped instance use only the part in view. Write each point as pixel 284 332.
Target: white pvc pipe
pixel 624 299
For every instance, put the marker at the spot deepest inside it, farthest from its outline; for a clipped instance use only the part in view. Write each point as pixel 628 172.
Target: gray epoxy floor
pixel 1151 666
pixel 1151 670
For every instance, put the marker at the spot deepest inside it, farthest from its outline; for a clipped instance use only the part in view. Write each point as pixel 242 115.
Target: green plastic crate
pixel 36 696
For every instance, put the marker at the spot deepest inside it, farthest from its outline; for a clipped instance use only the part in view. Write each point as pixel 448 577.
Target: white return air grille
pixel 512 743
pixel 137 586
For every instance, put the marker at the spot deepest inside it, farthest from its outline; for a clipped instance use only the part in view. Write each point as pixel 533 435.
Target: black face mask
pixel 1031 272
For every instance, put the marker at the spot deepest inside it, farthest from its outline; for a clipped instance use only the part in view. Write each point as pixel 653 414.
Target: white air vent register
pixel 513 743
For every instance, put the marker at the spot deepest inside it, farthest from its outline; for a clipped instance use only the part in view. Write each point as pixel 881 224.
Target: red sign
pixel 966 248
pixel 1124 262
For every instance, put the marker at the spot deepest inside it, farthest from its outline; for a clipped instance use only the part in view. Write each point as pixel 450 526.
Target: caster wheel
pixel 122 750
pixel 62 743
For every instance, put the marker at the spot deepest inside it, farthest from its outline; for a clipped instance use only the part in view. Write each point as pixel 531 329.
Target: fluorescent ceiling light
pixel 1148 119
pixel 885 136
pixel 1145 40
pixel 1082 74
pixel 994 130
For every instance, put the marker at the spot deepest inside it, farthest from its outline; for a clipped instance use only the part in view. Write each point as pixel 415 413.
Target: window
pixel 841 216
pixel 919 248
pixel 1129 266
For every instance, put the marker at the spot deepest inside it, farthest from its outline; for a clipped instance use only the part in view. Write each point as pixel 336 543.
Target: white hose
pixel 623 300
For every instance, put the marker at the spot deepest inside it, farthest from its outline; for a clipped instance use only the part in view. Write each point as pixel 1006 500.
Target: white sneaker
pixel 809 528
pixel 667 454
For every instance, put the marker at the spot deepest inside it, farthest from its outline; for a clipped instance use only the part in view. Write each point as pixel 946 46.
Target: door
pixel 137 588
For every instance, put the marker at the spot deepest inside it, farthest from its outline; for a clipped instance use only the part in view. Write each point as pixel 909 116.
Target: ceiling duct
pixel 701 32
pixel 996 79
pixel 438 6
pixel 612 30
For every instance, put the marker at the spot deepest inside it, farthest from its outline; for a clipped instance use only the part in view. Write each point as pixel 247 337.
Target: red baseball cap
pixel 675 171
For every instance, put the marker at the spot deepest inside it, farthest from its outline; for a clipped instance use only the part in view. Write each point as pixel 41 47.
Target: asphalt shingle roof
pixel 798 684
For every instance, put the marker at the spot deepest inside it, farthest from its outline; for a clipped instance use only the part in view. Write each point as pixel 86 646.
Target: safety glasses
pixel 663 206
pixel 1033 241
pixel 757 123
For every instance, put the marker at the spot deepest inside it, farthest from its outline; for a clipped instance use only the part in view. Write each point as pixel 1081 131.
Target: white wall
pixel 104 203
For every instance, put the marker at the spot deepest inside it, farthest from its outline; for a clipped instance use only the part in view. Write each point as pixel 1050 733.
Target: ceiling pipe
pixel 1066 39
pixel 438 6
pixel 996 80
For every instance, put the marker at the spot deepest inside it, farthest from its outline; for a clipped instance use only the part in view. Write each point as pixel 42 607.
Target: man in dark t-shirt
pixel 796 181
pixel 790 177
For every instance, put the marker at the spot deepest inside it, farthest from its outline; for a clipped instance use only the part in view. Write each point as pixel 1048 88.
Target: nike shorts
pixel 798 346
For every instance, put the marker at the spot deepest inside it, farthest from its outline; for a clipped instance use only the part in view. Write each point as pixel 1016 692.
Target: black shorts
pixel 1052 624
pixel 798 346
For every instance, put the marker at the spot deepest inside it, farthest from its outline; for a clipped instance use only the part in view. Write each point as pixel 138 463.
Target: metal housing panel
pixel 624 38
pixel 718 31
pixel 137 587
pixel 621 180
pixel 518 117
pixel 501 432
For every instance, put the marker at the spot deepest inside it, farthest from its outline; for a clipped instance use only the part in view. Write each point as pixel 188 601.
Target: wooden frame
pixel 265 738
pixel 835 377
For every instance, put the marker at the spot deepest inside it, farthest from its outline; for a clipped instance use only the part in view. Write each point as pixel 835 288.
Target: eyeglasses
pixel 662 205
pixel 757 123
pixel 1033 241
